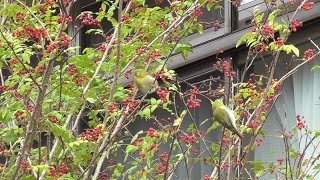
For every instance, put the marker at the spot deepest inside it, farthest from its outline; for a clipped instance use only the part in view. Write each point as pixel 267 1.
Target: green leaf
pixel 153 108
pixel 177 122
pixel 317 167
pixel 26 58
pixel 136 136
pixel 209 5
pixel 203 122
pixel 153 101
pixel 184 49
pixel 146 113
pixel 130 149
pixel 91 100
pixel 118 170
pixel 315 68
pixel 200 28
pixel 295 50
pixel 273 15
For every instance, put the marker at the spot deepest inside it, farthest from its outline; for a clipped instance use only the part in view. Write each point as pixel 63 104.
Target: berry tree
pixel 47 88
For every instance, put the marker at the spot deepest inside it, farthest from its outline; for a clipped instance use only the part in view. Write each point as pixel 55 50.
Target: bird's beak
pixel 221 98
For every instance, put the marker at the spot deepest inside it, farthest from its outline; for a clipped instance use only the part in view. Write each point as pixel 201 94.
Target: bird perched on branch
pixel 225 116
pixel 144 81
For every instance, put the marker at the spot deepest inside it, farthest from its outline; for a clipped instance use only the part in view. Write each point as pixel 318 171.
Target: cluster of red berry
pixel 309 54
pixel 153 54
pixel 132 103
pixel 68 19
pixel 140 51
pixel 163 25
pixel 3 88
pixel 80 80
pixel 72 69
pixel 53 118
pixel 94 134
pixel 138 141
pixel 19 115
pixel 13 63
pixel 162 75
pixel 301 123
pixel 267 30
pixel 113 107
pixel 65 40
pixel 162 93
pixel 279 41
pixel 53 45
pixel 188 139
pixel 161 168
pixel 193 101
pixel 307 6
pixel 3 149
pixel 254 123
pixel 277 87
pixel 103 176
pixel 224 66
pixel 280 161
pixel 58 170
pixel 40 70
pixel 29 107
pixel 216 25
pixel 224 166
pixel 259 141
pixel 225 142
pixel 153 147
pixel 44 7
pixel 24 165
pixel 197 13
pixel 125 19
pixel 102 47
pixel 35 34
pixel 20 16
pixel 152 133
pixel 88 20
pixel 295 24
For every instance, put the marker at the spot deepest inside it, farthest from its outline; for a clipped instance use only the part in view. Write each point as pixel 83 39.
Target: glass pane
pixel 300 96
pixel 246 1
pixel 209 19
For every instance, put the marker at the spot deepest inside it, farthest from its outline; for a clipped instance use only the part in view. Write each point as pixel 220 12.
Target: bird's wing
pixel 148 83
pixel 230 114
pixel 228 120
pixel 221 116
pixel 232 119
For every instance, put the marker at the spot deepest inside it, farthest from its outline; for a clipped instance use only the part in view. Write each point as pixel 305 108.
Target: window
pixel 246 1
pixel 91 40
pixel 300 96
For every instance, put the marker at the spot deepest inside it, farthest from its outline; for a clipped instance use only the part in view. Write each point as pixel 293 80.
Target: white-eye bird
pixel 225 116
pixel 144 81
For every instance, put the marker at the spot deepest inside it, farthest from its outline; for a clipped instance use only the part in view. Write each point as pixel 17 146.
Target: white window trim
pixel 206 45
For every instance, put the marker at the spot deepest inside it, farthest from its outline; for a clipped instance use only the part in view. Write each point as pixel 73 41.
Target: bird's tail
pixel 238 133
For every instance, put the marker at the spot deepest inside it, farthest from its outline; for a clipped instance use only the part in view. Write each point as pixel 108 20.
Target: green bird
pixel 225 116
pixel 144 81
